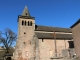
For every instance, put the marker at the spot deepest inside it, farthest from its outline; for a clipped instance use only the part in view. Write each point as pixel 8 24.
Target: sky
pixel 56 13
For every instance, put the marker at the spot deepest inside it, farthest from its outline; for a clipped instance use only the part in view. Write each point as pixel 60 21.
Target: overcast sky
pixel 58 13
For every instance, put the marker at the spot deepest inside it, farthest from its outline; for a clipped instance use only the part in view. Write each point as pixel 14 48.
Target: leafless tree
pixel 7 38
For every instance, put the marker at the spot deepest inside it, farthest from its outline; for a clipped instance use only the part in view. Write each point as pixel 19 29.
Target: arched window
pixel 22 22
pixel 25 23
pixel 30 23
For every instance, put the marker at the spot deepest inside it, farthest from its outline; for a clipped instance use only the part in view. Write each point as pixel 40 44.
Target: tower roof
pixel 25 12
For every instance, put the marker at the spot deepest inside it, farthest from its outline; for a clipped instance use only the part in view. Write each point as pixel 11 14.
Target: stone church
pixel 36 42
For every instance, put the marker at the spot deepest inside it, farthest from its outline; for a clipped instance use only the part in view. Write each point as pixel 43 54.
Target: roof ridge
pixel 52 26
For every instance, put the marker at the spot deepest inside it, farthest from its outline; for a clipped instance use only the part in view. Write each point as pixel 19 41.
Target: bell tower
pixel 26 23
pixel 25 46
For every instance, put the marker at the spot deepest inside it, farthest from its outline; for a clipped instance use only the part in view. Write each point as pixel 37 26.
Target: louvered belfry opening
pixel 25 23
pixel 22 22
pixel 30 23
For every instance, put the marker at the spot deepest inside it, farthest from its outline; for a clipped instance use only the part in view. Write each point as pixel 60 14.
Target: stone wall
pixel 76 38
pixel 47 48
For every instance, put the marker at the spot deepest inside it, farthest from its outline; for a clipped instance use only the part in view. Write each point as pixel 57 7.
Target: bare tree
pixel 7 38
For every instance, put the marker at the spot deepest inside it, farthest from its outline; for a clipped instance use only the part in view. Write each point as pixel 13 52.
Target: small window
pixel 26 13
pixel 71 44
pixel 24 33
pixel 22 22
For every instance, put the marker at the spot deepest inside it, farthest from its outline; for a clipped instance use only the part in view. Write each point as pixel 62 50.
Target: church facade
pixel 36 42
